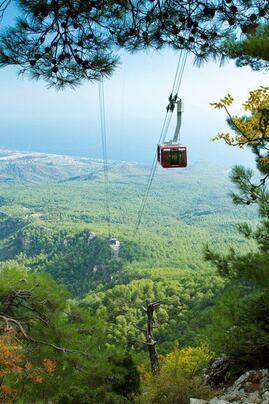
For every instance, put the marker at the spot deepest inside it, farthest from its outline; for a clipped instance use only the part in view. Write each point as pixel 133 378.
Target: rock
pixel 251 388
pixel 218 371
pixel 265 397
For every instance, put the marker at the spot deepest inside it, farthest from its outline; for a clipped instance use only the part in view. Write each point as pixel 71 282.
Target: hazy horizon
pixel 72 156
pixel 42 120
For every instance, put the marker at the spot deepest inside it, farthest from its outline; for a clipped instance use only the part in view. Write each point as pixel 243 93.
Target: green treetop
pixel 253 49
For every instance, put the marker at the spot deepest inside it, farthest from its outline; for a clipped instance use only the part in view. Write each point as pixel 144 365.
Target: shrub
pixel 180 377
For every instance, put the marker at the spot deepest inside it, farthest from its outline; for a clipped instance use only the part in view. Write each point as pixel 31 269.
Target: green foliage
pixel 253 50
pixel 240 318
pixel 186 211
pixel 250 131
pixel 47 325
pixel 68 42
pixel 240 328
pixel 44 229
pixel 187 299
pixel 180 378
pixel 81 263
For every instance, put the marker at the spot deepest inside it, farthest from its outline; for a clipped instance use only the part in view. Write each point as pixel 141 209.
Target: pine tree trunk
pixel 154 359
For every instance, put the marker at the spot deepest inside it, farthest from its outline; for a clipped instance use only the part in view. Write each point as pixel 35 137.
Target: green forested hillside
pixel 53 221
pixel 182 293
pixel 60 227
pixel 186 210
pixel 184 206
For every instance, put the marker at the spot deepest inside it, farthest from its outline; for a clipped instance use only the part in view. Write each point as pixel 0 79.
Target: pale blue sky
pixel 35 118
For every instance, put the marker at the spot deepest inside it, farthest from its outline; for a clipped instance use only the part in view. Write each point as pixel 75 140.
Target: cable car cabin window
pixel 175 156
pixel 172 157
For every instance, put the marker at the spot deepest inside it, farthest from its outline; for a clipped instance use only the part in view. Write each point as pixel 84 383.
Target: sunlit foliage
pixel 18 374
pixel 240 318
pixel 251 131
pixel 180 377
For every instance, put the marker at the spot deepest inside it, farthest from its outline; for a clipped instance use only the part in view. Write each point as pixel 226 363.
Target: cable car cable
pixel 176 85
pixel 152 173
pixel 165 123
pixel 175 88
pixel 164 130
pixel 183 65
pixel 152 170
pixel 104 152
pixel 177 71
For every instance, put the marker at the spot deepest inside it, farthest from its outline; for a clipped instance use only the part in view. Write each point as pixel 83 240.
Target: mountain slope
pixel 186 208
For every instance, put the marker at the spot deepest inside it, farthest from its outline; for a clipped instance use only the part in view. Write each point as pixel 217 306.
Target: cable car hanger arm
pixel 179 120
pixel 173 100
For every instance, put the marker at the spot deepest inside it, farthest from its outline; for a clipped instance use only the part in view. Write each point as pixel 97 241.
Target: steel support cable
pixel 104 153
pixel 152 174
pixel 182 68
pixel 177 71
pixel 153 166
pixel 176 85
pixel 163 133
pixel 169 118
pixel 164 130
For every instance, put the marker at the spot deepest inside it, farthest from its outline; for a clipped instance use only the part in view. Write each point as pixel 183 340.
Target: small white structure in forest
pixel 115 247
pixel 91 236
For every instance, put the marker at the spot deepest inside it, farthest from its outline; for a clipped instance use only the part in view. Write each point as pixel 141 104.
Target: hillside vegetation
pixel 53 220
pixel 48 225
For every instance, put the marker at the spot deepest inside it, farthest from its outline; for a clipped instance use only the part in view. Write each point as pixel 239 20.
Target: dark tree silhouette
pixel 149 331
pixel 67 41
pixel 252 50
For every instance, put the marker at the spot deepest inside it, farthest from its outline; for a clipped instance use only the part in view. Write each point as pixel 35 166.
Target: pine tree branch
pixel 9 320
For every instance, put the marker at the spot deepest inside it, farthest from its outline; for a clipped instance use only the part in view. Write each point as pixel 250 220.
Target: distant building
pixel 115 247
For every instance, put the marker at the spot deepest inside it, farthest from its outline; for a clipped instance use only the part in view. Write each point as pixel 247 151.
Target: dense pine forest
pixel 53 229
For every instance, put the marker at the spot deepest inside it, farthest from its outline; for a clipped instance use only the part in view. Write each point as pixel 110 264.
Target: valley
pixel 56 202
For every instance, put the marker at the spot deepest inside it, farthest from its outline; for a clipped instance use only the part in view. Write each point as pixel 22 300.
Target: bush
pixel 180 378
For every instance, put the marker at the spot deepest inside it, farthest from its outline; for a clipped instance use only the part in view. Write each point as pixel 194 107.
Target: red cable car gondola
pixel 172 154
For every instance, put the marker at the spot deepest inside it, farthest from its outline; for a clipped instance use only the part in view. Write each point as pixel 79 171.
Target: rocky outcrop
pixel 251 387
pixel 218 371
